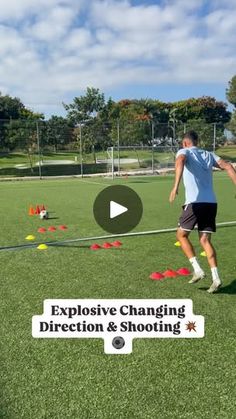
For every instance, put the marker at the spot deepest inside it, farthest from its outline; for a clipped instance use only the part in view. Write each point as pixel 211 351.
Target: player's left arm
pixel 179 168
pixel 228 167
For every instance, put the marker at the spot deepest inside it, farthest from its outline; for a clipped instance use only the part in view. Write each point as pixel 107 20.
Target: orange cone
pixel 37 211
pixel 31 210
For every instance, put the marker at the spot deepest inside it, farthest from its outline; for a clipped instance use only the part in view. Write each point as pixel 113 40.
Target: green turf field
pixel 71 378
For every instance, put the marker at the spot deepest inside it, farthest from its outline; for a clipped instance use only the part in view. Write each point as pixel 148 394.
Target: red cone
pixel 156 276
pixel 184 271
pixel 62 227
pixel 170 273
pixel 106 245
pixel 42 230
pixel 116 244
pixel 95 247
pixel 37 211
pixel 43 208
pixel 51 228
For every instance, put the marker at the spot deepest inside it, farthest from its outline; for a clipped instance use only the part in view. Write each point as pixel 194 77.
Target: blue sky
pixel 50 51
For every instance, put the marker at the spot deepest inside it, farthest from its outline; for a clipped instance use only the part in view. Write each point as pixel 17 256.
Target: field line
pixel 104 237
pixel 96 183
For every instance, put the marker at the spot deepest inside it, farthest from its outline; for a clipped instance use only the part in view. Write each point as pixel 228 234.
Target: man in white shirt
pixel 200 208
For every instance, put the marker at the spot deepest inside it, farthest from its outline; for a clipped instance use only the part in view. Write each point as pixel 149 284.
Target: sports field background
pixel 163 378
pixel 62 163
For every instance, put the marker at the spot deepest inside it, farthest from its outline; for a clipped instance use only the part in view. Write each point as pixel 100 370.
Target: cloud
pixel 53 26
pixel 51 50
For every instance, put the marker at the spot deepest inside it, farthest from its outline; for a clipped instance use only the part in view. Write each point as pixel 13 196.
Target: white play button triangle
pixel 116 209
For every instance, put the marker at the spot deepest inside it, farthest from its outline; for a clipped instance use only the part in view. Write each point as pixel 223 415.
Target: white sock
pixel 215 275
pixel 196 267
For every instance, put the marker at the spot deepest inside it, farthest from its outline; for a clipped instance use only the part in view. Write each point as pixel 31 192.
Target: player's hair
pixel 192 136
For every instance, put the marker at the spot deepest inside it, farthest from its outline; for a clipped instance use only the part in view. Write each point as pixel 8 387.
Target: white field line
pixel 109 236
pixel 95 183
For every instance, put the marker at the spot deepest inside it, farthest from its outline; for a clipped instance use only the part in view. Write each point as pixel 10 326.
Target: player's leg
pixel 187 223
pixel 188 249
pixel 186 245
pixel 205 241
pixel 206 220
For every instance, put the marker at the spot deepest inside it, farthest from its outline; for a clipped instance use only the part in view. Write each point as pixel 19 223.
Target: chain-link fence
pixel 42 148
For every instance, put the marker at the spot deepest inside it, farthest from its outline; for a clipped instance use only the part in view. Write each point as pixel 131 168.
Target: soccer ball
pixel 43 215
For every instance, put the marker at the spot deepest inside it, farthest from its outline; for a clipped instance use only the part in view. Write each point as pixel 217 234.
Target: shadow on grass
pixel 228 289
pixel 139 181
pixel 13 156
pixel 71 246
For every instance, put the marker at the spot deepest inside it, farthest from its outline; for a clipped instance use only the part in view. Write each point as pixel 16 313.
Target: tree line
pixel 101 123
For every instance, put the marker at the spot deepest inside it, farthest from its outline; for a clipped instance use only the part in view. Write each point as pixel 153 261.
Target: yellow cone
pixel 203 254
pixel 177 244
pixel 30 237
pixel 42 247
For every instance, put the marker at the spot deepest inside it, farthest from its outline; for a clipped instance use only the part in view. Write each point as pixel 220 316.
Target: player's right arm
pixel 224 165
pixel 179 168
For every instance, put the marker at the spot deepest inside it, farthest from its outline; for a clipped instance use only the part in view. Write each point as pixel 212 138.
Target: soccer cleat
pixel 197 277
pixel 214 287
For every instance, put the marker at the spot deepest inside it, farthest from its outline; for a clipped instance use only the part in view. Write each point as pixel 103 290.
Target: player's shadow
pixel 228 289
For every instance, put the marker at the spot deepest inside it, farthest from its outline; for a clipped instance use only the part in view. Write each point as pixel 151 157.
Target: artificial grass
pixel 70 378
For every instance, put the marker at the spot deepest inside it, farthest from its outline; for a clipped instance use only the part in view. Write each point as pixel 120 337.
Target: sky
pixel 51 50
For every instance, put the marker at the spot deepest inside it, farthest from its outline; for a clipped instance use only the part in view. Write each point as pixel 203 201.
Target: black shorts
pixel 200 214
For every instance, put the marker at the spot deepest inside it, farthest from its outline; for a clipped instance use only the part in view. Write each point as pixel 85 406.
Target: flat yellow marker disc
pixel 42 247
pixel 30 237
pixel 177 244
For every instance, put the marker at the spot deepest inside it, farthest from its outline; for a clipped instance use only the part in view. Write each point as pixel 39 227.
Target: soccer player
pixel 200 206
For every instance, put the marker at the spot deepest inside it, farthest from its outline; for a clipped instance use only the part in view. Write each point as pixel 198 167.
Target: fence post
pixel 118 145
pixel 152 128
pixel 112 162
pixel 39 151
pixel 214 137
pixel 81 151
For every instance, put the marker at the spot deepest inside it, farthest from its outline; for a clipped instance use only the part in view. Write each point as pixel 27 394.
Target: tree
pixel 231 96
pixel 206 132
pixel 16 123
pixel 231 91
pixel 89 111
pixel 86 107
pixel 10 108
pixel 206 108
pixel 18 133
pixel 134 122
pixel 56 132
pixel 137 118
pixel 231 126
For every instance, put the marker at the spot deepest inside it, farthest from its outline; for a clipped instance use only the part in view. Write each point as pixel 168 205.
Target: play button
pixel 118 209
